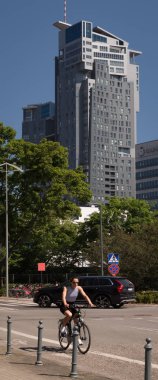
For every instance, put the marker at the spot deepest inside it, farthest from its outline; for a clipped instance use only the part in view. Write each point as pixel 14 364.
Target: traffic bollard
pixel 39 346
pixel 75 334
pixel 148 349
pixel 9 348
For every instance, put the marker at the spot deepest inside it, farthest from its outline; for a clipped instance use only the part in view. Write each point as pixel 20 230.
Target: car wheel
pixel 44 301
pixel 102 301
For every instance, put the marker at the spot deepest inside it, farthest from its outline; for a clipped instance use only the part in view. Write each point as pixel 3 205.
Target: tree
pixel 125 224
pixel 138 254
pixel 45 195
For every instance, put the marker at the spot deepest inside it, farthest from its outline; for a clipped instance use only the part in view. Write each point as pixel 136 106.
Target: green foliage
pixel 2 291
pixel 42 203
pixel 6 134
pixel 129 228
pixel 128 213
pixel 147 297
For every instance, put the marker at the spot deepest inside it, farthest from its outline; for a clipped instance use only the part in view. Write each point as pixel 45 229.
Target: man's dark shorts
pixel 71 307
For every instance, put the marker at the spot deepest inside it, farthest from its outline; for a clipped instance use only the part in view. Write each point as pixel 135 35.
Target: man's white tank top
pixel 71 294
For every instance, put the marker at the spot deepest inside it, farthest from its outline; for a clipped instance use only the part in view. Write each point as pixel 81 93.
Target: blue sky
pixel 29 43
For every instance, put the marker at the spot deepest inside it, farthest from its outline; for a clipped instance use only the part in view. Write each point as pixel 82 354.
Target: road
pixel 118 336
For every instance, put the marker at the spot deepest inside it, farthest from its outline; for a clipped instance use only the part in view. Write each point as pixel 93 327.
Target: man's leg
pixel 68 316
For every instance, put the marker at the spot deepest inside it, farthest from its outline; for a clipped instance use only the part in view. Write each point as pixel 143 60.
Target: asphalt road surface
pixel 118 337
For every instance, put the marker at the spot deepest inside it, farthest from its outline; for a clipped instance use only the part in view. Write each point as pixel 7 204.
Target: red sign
pixel 113 269
pixel 41 267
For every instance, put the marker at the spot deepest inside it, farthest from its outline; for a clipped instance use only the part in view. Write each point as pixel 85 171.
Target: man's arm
pixel 64 296
pixel 85 296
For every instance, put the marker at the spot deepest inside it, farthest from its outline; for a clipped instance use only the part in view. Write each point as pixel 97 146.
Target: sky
pixel 29 44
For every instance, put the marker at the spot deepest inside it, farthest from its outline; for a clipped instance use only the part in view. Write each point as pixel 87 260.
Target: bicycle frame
pixel 84 336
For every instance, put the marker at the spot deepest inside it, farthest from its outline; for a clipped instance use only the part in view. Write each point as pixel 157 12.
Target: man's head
pixel 74 281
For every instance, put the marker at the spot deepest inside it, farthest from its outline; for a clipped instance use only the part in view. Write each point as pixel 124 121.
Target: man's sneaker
pixel 80 342
pixel 63 331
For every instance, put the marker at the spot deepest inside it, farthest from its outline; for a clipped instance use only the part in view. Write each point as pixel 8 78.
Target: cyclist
pixel 69 296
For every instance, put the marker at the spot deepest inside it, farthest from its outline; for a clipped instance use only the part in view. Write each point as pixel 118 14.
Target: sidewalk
pixel 21 366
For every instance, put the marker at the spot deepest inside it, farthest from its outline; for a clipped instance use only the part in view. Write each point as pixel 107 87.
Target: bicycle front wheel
pixel 64 340
pixel 84 340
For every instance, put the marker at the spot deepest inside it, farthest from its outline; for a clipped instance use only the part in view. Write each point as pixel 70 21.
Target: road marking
pixel 122 358
pixel 137 318
pixel 7 308
pixel 97 353
pixel 17 304
pixel 23 304
pixel 17 300
pixel 144 329
pixel 66 356
pixel 103 319
pixel 30 336
pixel 18 341
pixel 5 304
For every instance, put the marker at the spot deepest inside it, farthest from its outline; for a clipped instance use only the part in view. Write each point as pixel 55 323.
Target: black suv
pixel 104 291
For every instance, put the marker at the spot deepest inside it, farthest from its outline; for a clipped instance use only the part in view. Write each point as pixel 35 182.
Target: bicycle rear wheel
pixel 64 340
pixel 85 337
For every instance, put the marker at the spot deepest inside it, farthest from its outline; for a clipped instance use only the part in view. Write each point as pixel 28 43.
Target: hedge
pixel 148 297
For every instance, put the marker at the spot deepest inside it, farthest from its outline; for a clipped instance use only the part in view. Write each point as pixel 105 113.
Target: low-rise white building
pixel 86 212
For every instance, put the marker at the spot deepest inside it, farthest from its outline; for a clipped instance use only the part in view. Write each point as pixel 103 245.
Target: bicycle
pixel 84 333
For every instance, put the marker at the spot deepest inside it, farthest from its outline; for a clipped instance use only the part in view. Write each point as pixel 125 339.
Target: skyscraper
pixel 147 172
pixel 97 98
pixel 38 122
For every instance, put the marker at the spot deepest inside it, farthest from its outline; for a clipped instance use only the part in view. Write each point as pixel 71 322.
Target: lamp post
pixel 99 206
pixel 101 241
pixel 6 165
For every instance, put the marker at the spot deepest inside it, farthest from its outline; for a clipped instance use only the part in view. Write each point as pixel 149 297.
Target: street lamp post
pixel 6 164
pixel 99 206
pixel 101 242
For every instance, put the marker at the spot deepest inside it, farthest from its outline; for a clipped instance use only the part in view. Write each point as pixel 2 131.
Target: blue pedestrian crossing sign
pixel 113 258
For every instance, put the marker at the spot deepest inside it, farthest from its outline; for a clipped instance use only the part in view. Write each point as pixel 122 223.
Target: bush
pixel 2 292
pixel 147 297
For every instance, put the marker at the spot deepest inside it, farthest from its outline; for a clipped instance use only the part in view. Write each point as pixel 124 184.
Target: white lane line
pixel 30 336
pixel 23 304
pixel 97 353
pixel 143 328
pixel 122 358
pixel 7 308
pixel 137 318
pixel 17 304
pixel 103 319
pixel 6 304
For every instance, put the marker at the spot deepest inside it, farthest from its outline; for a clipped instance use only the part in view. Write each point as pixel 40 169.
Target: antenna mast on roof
pixel 65 11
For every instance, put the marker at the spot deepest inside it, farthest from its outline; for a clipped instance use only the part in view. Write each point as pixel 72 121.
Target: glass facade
pixel 38 122
pixel 147 185
pixel 147 174
pixel 98 37
pixel 147 163
pixel 88 30
pixel 149 196
pixel 45 111
pixel 74 32
pixel 147 171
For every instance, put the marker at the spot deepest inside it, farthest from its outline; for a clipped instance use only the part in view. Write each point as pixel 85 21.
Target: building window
pixel 88 30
